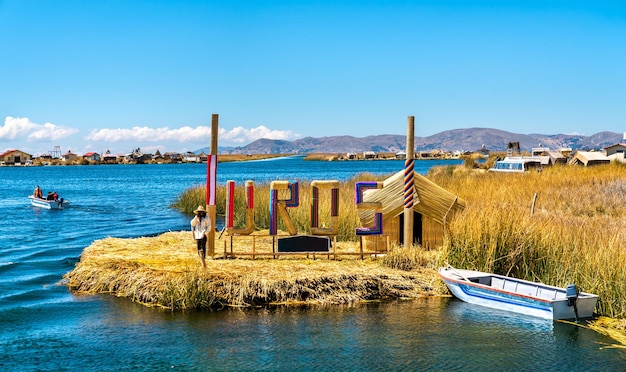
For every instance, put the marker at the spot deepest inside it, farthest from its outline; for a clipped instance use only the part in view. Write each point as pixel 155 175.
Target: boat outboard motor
pixel 571 293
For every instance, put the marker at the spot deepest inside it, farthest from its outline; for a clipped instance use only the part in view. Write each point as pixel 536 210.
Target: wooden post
pixel 409 176
pixel 212 174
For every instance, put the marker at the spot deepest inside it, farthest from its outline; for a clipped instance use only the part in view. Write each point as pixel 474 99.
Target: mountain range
pixel 469 139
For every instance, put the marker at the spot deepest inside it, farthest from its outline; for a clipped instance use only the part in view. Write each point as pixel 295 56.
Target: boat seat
pixel 497 283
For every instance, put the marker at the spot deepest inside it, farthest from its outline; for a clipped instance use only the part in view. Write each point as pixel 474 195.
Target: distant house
pixel 157 157
pixel 401 155
pixel 172 157
pixel 93 156
pixel 203 157
pixel 617 152
pixel 108 158
pixel 141 158
pixel 566 151
pixel 138 157
pixel 548 157
pixel 69 156
pixel 540 151
pixel 557 157
pixel 618 148
pixel 351 155
pixel 12 157
pixel 589 158
pixel 190 157
pixel 369 155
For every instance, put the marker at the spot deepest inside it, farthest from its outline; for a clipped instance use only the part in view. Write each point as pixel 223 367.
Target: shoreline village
pixel 399 226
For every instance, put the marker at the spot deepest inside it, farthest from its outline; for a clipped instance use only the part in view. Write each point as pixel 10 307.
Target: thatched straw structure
pixel 434 204
pixel 165 271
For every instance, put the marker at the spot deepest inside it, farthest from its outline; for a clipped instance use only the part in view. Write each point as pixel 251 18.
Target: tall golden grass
pixel 563 225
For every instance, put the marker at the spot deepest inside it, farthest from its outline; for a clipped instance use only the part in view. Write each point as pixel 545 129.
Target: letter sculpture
pixel 279 206
pixel 377 229
pixel 230 208
pixel 316 186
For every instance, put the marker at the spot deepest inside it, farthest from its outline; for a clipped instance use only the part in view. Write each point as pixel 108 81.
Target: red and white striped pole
pixel 409 175
pixel 211 185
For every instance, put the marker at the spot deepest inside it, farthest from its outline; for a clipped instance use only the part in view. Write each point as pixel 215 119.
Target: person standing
pixel 200 225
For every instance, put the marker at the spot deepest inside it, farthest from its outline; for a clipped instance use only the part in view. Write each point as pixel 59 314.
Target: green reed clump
pixel 559 226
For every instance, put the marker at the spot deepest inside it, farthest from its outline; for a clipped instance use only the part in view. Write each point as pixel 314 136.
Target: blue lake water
pixel 43 326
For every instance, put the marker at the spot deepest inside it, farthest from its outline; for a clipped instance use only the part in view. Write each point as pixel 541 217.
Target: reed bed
pixel 563 225
pixel 165 271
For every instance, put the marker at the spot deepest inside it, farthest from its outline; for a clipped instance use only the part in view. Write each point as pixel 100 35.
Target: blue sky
pixel 117 75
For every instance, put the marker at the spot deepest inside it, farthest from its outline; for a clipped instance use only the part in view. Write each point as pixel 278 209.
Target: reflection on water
pixel 429 334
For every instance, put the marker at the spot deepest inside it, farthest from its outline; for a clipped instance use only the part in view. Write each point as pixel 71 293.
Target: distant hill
pixel 469 139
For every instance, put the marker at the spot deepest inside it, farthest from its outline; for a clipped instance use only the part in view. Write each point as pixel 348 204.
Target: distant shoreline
pixel 222 158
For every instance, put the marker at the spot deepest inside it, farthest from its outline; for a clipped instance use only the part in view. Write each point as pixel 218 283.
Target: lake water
pixel 43 326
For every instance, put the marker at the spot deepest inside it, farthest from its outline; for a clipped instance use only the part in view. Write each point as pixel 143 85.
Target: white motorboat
pixel 517 295
pixel 48 204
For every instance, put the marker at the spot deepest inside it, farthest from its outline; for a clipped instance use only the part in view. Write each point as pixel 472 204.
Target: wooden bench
pixel 230 253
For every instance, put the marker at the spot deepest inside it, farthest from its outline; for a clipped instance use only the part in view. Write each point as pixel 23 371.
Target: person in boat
pixel 50 196
pixel 200 225
pixel 55 196
pixel 38 193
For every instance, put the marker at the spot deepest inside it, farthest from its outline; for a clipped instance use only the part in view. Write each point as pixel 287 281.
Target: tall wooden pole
pixel 409 176
pixel 211 182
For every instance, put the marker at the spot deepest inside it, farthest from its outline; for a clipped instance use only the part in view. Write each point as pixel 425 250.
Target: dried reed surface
pixel 165 271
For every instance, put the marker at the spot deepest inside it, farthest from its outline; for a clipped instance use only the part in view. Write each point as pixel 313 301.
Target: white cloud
pixel 240 135
pixel 23 128
pixel 237 135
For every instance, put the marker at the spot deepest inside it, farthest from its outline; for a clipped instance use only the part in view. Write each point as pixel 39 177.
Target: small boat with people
pixel 51 201
pixel 517 295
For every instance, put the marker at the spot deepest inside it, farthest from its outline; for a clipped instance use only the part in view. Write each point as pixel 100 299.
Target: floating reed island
pixel 165 271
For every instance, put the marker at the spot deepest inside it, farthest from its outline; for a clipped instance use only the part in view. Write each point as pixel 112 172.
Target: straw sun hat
pixel 199 209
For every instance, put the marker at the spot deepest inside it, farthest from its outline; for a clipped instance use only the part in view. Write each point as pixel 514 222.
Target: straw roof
pixel 589 158
pixel 429 199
